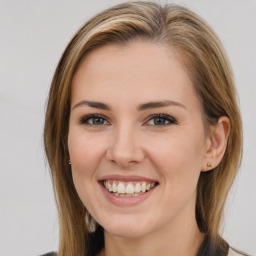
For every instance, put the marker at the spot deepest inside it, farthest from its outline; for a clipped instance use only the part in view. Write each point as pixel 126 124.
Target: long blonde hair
pixel 210 72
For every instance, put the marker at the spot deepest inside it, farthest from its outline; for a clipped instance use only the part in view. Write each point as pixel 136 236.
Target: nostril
pixel 125 154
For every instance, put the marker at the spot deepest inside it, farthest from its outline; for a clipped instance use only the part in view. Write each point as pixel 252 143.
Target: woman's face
pixel 136 124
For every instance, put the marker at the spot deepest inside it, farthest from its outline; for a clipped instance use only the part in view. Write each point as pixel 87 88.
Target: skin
pixel 130 142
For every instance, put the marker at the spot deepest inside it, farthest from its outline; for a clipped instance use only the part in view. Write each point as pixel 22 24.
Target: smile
pixel 128 189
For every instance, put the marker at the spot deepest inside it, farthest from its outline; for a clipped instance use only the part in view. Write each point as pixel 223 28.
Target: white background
pixel 33 35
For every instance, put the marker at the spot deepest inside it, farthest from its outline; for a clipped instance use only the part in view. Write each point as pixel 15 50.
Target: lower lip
pixel 126 201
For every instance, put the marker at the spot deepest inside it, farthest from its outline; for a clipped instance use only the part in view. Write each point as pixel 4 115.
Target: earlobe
pixel 216 144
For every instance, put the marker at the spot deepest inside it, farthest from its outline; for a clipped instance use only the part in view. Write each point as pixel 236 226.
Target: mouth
pixel 126 191
pixel 128 188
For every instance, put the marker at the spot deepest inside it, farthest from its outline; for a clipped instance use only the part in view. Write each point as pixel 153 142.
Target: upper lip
pixel 126 178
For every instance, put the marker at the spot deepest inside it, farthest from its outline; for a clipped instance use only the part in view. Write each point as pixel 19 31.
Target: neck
pixel 181 238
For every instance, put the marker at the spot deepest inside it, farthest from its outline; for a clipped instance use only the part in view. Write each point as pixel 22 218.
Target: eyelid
pixel 169 118
pixel 84 119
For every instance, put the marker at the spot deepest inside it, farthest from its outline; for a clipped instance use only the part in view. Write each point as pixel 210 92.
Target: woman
pixel 143 135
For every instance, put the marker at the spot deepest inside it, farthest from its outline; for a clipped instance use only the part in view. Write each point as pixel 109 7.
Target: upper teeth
pixel 128 187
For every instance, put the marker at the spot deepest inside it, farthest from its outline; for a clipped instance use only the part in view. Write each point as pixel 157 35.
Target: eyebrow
pixel 159 104
pixel 141 107
pixel 92 104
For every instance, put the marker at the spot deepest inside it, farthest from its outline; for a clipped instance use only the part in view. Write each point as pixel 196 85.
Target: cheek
pixel 178 159
pixel 85 152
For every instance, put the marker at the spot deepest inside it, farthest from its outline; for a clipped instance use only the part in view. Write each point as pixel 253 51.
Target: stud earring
pixel 209 164
pixel 69 162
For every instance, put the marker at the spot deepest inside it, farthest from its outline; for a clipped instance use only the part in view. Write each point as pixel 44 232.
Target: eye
pixel 94 119
pixel 161 120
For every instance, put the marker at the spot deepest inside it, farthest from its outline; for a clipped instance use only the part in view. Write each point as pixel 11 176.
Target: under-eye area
pixel 128 189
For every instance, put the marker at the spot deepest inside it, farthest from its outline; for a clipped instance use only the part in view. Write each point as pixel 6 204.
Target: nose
pixel 124 149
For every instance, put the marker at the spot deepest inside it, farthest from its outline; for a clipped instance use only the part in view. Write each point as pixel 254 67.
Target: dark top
pixel 206 249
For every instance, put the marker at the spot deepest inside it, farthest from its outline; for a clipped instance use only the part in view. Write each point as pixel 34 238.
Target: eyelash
pixel 165 117
pixel 85 120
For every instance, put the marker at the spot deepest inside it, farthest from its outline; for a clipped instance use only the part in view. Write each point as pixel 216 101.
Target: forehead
pixel 139 70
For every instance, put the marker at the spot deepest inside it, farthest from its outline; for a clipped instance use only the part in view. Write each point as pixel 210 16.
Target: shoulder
pixel 49 254
pixel 234 252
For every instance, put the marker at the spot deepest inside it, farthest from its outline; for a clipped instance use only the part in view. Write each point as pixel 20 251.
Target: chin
pixel 126 233
pixel 126 228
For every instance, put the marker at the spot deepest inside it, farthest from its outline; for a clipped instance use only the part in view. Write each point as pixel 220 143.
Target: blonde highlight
pixel 211 74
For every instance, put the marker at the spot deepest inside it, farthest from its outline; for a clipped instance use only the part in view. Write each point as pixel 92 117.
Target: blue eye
pixel 161 120
pixel 154 120
pixel 94 119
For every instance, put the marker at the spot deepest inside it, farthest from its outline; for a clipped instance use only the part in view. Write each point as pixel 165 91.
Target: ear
pixel 216 143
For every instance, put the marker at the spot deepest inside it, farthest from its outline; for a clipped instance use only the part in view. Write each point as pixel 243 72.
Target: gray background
pixel 33 35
